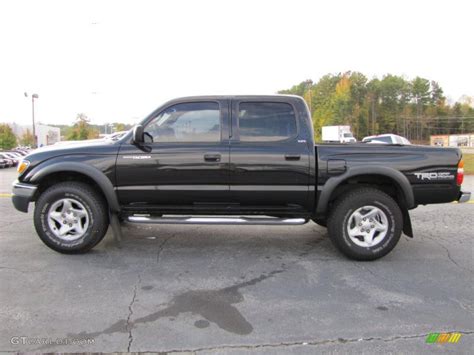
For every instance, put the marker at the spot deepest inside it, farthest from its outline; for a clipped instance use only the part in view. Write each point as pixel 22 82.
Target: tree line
pixel 82 129
pixel 9 140
pixel 414 108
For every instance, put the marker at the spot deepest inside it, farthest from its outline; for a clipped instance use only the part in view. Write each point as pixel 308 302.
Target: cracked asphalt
pixel 234 289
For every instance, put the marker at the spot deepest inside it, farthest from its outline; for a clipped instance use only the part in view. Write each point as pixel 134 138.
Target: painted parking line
pixel 5 195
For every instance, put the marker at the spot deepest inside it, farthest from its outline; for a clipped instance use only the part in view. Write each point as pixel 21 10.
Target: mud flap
pixel 116 229
pixel 407 228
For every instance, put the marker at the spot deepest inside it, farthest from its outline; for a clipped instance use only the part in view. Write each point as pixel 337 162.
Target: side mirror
pixel 148 138
pixel 138 134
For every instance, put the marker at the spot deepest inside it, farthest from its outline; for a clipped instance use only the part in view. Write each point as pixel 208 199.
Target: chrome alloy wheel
pixel 68 219
pixel 367 226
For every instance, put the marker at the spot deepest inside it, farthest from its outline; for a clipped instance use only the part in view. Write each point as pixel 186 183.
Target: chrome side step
pixel 217 220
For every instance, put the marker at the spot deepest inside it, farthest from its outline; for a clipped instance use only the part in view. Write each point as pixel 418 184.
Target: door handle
pixel 292 157
pixel 212 157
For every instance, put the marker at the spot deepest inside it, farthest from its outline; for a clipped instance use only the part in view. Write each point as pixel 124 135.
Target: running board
pixel 217 220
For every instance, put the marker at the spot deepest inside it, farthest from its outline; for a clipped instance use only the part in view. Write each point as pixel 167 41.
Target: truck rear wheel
pixel 365 224
pixel 71 217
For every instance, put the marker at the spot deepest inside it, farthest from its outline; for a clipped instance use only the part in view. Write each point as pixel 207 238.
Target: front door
pixel 186 164
pixel 270 163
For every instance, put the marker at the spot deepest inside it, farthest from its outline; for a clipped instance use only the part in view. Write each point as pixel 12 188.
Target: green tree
pixel 466 110
pixel 372 100
pixel 323 102
pixel 415 109
pixel 119 127
pixel 299 89
pixel 7 137
pixel 394 93
pixel 420 91
pixel 27 138
pixel 82 129
pixel 359 108
pixel 341 102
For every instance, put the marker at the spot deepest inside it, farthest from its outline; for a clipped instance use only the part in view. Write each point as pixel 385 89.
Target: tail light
pixel 460 176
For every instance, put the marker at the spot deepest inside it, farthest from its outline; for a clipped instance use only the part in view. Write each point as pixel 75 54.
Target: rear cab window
pixel 266 121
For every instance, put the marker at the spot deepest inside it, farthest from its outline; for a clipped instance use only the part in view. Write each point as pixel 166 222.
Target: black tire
pixel 341 218
pixel 91 201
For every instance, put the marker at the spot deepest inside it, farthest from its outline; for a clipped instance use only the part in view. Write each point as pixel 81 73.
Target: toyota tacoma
pixel 242 160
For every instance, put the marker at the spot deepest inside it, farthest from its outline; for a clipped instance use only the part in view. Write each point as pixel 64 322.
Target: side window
pixel 187 122
pixel 266 121
pixel 385 139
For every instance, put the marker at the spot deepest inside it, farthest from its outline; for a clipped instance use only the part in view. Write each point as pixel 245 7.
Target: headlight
pixel 22 166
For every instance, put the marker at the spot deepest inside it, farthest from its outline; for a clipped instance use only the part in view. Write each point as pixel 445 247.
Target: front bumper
pixel 22 195
pixel 464 197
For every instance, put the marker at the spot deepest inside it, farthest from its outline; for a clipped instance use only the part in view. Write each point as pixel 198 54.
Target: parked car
pixel 7 159
pixel 9 162
pixel 388 138
pixel 15 154
pixel 219 159
pixel 21 152
pixel 3 163
pixel 14 158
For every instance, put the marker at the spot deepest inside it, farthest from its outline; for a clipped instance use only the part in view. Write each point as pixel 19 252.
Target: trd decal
pixel 434 176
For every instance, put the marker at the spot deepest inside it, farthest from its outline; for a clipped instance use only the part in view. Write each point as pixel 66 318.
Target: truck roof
pixel 240 97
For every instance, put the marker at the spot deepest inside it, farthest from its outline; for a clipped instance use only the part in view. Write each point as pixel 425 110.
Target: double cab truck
pixel 242 160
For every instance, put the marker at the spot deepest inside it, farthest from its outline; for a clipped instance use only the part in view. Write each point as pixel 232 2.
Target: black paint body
pixel 293 177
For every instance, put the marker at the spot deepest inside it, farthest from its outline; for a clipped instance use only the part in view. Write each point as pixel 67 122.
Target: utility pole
pixel 373 116
pixel 309 84
pixel 33 97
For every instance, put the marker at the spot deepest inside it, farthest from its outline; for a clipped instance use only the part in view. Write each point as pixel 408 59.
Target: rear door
pixel 186 164
pixel 269 161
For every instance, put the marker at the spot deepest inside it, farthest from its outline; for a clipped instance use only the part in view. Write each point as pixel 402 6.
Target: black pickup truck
pixel 234 160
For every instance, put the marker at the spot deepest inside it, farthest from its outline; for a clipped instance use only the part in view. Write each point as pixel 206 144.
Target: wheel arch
pixel 360 174
pixel 386 179
pixel 69 171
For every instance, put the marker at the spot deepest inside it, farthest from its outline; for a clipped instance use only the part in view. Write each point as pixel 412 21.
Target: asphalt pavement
pixel 234 289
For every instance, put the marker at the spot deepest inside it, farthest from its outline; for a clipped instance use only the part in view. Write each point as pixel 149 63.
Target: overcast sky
pixel 118 60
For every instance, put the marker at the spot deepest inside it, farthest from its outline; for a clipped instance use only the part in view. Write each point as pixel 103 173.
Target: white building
pixel 45 135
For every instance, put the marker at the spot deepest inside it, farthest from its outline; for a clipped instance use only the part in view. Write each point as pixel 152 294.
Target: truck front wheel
pixel 365 224
pixel 71 217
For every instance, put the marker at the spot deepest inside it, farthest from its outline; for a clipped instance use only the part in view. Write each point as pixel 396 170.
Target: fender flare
pixel 98 176
pixel 333 182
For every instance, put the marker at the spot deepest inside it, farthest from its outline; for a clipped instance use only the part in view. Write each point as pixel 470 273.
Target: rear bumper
pixel 464 197
pixel 22 195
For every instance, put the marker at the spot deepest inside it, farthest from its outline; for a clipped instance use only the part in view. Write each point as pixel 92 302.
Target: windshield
pixel 348 135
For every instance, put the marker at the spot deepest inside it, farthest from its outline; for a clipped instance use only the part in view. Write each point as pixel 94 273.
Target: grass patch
pixel 468 163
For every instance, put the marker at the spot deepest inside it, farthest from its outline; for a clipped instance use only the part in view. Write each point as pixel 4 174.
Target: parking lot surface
pixel 233 289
